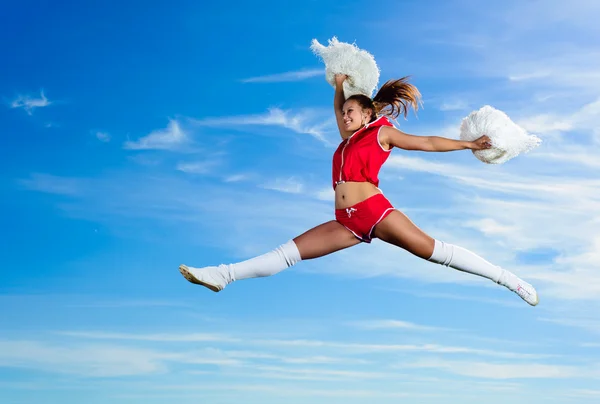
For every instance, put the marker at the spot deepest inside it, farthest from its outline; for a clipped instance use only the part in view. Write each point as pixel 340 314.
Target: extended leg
pixel 399 230
pixel 317 242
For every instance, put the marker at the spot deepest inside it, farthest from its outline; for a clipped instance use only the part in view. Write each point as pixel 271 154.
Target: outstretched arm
pixel 391 137
pixel 338 104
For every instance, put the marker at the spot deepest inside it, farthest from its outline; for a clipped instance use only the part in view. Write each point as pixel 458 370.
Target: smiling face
pixel 354 115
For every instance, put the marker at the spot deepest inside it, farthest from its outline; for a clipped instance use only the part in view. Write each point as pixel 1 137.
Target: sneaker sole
pixel 537 300
pixel 188 275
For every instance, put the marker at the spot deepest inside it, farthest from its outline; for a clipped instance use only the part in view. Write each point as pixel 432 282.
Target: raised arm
pixel 391 137
pixel 338 104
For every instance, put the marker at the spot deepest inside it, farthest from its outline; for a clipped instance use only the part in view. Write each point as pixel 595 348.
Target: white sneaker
pixel 527 292
pixel 214 278
pixel 519 286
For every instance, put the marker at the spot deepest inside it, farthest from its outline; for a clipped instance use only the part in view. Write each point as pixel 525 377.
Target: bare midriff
pixel 350 193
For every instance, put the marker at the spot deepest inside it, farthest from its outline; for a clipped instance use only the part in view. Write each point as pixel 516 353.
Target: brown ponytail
pixel 394 98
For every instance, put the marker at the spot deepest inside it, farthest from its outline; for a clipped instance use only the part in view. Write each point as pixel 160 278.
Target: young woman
pixel 362 212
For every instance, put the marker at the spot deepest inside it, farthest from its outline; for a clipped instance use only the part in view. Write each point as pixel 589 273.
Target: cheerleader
pixel 362 212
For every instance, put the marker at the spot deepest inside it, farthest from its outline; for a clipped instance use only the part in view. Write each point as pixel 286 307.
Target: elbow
pixel 429 145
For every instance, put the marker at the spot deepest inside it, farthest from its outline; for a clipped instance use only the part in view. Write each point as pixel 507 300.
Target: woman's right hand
pixel 340 78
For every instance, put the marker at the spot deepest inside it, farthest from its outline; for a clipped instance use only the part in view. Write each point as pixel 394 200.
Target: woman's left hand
pixel 482 143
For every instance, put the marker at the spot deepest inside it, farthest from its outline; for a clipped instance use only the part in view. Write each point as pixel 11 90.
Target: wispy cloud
pixel 530 76
pixel 278 391
pixel 302 122
pixel 591 323
pixel 458 296
pixel 339 347
pixel 195 337
pixel 198 167
pixel 237 178
pixel 392 324
pixel 325 194
pixel 287 76
pixel 454 105
pixel 357 348
pixel 289 185
pixel 29 103
pixel 52 184
pixel 120 304
pixel 170 138
pixel 586 393
pixel 586 117
pixel 486 370
pixel 103 137
pixel 98 361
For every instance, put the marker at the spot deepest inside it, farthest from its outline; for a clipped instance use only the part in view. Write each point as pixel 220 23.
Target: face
pixel 354 116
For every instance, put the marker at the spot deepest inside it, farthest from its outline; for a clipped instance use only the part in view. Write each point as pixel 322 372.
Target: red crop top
pixel 360 157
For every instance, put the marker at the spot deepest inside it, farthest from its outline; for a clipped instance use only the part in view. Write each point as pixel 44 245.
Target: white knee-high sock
pixel 466 261
pixel 284 256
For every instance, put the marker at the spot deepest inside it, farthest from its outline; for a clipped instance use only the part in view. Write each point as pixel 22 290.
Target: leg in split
pixel 317 242
pixel 399 230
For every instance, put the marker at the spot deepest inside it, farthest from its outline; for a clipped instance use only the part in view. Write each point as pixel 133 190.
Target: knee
pixel 442 253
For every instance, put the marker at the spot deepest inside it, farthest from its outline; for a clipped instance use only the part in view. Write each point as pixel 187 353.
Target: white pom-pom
pixel 344 58
pixel 507 138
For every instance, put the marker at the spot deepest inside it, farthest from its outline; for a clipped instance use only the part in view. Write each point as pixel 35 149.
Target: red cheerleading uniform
pixel 359 159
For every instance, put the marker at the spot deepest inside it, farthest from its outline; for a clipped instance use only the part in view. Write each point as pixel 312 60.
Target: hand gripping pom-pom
pixel 507 138
pixel 348 59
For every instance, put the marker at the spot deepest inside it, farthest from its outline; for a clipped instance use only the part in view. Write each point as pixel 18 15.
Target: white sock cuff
pixel 270 263
pixel 291 253
pixel 442 253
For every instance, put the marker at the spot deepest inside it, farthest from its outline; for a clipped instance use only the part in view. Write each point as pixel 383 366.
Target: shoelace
pixel 523 292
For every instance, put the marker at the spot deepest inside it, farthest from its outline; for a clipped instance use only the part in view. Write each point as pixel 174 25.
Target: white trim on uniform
pixel 379 220
pixel 379 142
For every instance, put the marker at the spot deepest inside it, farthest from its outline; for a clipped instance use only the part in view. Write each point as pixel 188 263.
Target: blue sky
pixel 139 136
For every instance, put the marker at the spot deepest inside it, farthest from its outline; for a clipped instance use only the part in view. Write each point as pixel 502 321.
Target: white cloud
pixel 577 157
pixel 591 323
pixel 97 361
pixel 120 304
pixel 460 296
pixel 321 374
pixel 289 185
pixel 326 194
pixel 587 393
pixel 30 103
pixel 287 76
pixel 529 76
pixel 545 123
pixel 586 117
pixel 400 161
pixel 199 167
pixel 195 337
pixel 237 178
pixel 52 184
pixel 454 105
pixel 302 122
pixel 103 137
pixel 314 345
pixel 357 348
pixel 278 391
pixel 486 370
pixel 491 227
pixel 392 324
pixel 171 138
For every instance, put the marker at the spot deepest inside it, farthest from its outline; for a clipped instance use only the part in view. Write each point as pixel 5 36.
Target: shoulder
pixel 383 120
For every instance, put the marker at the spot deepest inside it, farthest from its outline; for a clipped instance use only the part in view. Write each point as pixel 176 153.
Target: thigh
pixel 399 230
pixel 324 239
